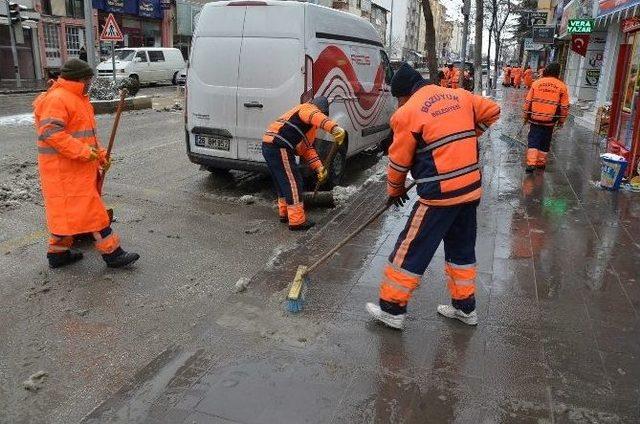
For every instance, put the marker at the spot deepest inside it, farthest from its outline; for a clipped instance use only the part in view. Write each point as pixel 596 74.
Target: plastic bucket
pixel 611 171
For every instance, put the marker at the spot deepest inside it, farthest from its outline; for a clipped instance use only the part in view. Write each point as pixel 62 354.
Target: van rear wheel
pixel 174 80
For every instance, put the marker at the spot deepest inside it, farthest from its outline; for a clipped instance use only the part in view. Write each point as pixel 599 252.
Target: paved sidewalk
pixel 558 301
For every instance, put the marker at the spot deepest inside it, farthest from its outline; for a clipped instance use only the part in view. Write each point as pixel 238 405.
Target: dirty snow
pixel 377 172
pixel 341 195
pixel 21 186
pixel 13 120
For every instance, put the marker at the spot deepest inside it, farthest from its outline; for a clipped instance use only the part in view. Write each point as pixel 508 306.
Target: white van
pixel 251 61
pixel 146 64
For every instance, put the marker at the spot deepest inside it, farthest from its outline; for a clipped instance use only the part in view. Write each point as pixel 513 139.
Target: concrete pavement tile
pixel 618 338
pixel 513 278
pixel 202 418
pixel 623 372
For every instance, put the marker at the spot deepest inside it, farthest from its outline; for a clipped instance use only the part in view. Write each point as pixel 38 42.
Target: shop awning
pixel 616 10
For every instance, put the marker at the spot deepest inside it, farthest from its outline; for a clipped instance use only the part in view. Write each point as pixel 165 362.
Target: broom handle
pixel 114 129
pixel 357 231
pixel 327 164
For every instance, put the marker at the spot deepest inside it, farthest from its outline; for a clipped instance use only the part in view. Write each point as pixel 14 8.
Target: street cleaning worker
pixel 294 133
pixel 436 138
pixel 453 76
pixel 69 161
pixel 527 76
pixel 546 106
pixel 506 76
pixel 516 73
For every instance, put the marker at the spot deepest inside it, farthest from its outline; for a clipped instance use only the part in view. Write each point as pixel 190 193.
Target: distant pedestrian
pixel 546 106
pixel 70 159
pixel 527 76
pixel 83 54
pixel 506 76
pixel 435 136
pixel 516 72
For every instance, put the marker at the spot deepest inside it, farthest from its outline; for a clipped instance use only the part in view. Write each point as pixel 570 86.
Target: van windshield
pixel 125 55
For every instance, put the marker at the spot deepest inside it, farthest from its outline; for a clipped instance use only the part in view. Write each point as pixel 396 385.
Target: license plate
pixel 210 142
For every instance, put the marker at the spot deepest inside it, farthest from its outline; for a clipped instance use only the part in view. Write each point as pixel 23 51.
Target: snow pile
pixel 341 195
pixel 22 186
pixel 13 120
pixel 377 173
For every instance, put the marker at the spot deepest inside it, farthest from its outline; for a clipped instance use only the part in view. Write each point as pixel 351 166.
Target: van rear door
pixel 212 82
pixel 271 77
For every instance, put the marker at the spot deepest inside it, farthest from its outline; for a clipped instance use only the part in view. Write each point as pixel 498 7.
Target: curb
pixel 131 103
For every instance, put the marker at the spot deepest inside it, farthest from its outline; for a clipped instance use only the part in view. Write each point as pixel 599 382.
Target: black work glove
pixel 398 200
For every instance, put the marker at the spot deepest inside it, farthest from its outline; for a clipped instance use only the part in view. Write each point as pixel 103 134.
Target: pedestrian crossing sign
pixel 111 31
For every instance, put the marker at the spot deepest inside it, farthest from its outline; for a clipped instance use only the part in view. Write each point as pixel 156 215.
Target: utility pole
pixel 465 34
pixel 14 49
pixel 89 39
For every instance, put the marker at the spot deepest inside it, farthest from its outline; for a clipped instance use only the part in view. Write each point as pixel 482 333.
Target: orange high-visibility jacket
pixel 517 75
pixel 528 77
pixel 454 77
pixel 506 75
pixel 66 129
pixel 435 136
pixel 547 102
pixel 296 130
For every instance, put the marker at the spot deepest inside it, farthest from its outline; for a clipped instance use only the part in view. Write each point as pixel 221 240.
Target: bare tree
pixel 501 10
pixel 492 81
pixel 477 50
pixel 430 41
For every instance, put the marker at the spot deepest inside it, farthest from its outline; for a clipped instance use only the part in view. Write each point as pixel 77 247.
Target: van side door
pixel 389 101
pixel 157 66
pixel 141 67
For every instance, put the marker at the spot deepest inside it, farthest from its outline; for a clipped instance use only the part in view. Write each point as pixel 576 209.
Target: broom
pixel 295 297
pixel 327 164
pixel 112 138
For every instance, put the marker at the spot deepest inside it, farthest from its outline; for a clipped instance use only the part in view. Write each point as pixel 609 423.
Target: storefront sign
pixel 115 4
pixel 580 26
pixel 607 7
pixel 592 76
pixel 537 18
pixel 530 45
pixel 149 9
pixel 543 34
pixel 631 24
pixel 165 4
pixel 580 43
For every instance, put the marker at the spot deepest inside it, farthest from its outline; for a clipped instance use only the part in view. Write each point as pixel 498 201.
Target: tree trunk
pixel 477 52
pixel 492 83
pixel 496 58
pixel 430 42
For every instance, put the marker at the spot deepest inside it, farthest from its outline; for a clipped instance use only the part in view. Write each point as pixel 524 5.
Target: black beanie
pixel 75 70
pixel 406 81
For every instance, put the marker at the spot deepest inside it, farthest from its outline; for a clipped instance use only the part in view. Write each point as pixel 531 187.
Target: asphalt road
pixel 90 328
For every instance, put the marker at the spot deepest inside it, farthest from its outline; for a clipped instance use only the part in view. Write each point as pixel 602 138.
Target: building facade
pixel 27 45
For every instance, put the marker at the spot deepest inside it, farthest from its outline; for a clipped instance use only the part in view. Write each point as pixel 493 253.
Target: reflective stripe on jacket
pixel 435 137
pixel 296 130
pixel 66 130
pixel 547 102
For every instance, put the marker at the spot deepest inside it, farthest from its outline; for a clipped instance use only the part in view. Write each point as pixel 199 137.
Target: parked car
pixel 145 64
pixel 252 61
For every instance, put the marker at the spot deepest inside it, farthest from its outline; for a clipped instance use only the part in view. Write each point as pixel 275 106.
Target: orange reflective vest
pixel 296 130
pixel 435 136
pixel 66 129
pixel 528 77
pixel 547 102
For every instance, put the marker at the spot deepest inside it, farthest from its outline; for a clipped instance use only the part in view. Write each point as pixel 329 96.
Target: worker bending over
pixel 546 106
pixel 294 133
pixel 70 159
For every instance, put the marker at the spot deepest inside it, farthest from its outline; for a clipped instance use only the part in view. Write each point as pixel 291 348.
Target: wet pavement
pixel 558 298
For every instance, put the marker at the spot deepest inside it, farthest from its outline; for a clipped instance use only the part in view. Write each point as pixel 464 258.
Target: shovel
pixel 112 138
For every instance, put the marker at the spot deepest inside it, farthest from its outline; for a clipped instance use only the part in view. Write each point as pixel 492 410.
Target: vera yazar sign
pixel 580 26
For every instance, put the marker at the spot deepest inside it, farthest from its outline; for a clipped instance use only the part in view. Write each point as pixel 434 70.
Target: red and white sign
pixel 631 24
pixel 579 44
pixel 111 30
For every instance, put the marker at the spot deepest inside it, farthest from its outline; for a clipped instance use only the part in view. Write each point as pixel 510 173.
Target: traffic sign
pixel 111 31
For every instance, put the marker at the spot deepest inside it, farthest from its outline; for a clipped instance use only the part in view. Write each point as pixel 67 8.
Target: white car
pixel 251 61
pixel 146 64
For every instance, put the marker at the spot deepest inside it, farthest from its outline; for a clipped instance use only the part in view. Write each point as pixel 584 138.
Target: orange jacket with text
pixel 435 136
pixel 528 77
pixel 296 130
pixel 66 129
pixel 547 102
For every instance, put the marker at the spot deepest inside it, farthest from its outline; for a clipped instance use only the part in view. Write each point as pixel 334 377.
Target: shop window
pixel 142 56
pixel 75 8
pixel 156 56
pixel 75 40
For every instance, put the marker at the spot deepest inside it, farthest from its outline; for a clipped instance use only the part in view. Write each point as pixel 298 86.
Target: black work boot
pixel 58 260
pixel 529 169
pixel 302 227
pixel 119 258
pixel 284 219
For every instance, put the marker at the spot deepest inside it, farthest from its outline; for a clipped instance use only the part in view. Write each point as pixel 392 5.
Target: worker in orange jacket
pixel 69 161
pixel 506 76
pixel 453 76
pixel 546 106
pixel 516 73
pixel 528 77
pixel 294 133
pixel 436 138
